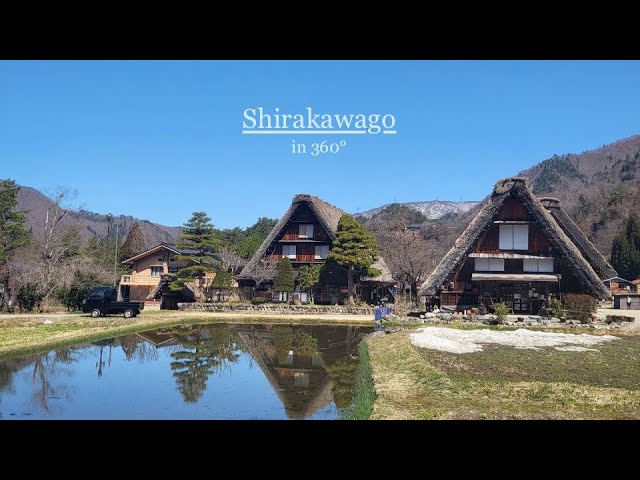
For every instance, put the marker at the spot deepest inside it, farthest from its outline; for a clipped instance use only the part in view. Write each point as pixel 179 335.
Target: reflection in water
pixel 204 351
pixel 304 371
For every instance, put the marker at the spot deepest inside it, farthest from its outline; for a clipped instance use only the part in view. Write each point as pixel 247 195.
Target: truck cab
pixel 102 301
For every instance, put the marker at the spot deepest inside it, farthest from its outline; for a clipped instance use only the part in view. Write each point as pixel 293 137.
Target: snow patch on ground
pixel 468 341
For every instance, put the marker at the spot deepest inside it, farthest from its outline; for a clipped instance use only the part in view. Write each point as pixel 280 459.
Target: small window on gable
pixel 160 259
pixel 305 231
pixel 514 237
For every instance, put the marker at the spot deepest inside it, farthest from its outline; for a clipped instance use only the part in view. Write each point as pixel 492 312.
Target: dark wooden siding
pixel 512 209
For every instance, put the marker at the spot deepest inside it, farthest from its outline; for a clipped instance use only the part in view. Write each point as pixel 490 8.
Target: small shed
pixel 620 301
pixel 619 286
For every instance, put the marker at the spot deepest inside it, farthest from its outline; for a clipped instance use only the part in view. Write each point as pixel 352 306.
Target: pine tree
pixel 625 250
pixel 284 280
pixel 199 234
pixel 134 243
pixel 354 249
pixel 621 256
pixel 13 233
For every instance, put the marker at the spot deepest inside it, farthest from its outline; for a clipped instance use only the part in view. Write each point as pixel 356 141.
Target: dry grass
pixel 20 334
pixel 505 383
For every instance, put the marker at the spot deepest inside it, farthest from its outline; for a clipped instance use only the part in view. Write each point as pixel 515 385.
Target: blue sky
pixel 159 140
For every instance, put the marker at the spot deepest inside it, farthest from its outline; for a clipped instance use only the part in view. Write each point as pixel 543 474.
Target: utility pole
pixel 115 261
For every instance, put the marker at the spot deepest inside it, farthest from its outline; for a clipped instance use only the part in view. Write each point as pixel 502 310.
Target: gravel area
pixel 468 341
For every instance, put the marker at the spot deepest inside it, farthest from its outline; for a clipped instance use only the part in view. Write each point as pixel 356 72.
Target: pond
pixel 190 372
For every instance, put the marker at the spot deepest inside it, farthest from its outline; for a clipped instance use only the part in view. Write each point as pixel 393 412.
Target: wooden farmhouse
pixel 155 268
pixel 304 235
pixel 519 250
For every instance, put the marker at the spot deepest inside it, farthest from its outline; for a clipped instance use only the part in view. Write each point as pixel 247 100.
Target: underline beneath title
pixel 313 132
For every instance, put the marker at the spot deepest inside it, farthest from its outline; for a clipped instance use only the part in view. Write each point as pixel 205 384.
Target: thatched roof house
pixel 304 234
pixel 516 251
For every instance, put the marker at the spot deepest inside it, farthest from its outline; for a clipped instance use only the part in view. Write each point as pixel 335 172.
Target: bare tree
pixel 263 271
pixel 58 242
pixel 230 261
pixel 405 251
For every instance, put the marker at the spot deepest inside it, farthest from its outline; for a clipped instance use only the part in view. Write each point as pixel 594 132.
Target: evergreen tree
pixel 134 243
pixel 354 249
pixel 625 250
pixel 13 233
pixel 310 278
pixel 199 234
pixel 284 280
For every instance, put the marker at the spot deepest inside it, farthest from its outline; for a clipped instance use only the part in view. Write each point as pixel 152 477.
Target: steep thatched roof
pixel 328 216
pixel 577 236
pixel 385 272
pixel 515 187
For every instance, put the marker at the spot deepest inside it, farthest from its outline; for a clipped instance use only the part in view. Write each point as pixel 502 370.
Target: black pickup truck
pixel 103 301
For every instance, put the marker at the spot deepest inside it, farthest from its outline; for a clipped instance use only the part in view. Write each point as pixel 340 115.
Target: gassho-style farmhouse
pixel 519 249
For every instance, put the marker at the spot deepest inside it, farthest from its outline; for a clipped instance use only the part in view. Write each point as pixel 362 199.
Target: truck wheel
pixel 95 313
pixel 128 313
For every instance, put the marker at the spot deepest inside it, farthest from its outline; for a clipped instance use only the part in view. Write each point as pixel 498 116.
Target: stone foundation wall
pixel 277 308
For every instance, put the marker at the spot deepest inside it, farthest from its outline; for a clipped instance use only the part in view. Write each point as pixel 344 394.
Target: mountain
pixel 89 223
pixel 432 209
pixel 598 188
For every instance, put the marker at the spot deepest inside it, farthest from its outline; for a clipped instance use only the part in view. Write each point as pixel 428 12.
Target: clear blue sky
pixel 159 140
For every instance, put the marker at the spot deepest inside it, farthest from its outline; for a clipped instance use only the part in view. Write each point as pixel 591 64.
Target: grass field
pixel 502 382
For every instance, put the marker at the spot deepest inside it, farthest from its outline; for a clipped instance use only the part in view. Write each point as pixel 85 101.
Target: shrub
pixel 555 307
pixel 29 297
pixel 501 310
pixel 579 306
pixel 258 300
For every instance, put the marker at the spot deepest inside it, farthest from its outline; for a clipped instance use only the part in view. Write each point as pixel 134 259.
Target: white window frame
pixel 537 265
pixel 513 237
pixel 319 256
pixel 489 264
pixel 305 230
pixel 289 251
pixel 156 267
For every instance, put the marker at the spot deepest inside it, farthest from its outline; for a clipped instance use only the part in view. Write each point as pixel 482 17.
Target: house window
pixel 541 265
pixel 514 237
pixel 289 251
pixel 321 252
pixel 489 264
pixel 172 259
pixel 156 271
pixel 174 269
pixel 160 259
pixel 305 231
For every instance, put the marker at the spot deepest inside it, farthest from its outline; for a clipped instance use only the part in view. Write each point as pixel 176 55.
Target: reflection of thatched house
pixel 304 235
pixel 300 382
pixel 516 251
pixel 301 372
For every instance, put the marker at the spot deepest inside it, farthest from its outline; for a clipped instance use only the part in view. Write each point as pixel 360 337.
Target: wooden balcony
pixel 299 259
pixel 139 280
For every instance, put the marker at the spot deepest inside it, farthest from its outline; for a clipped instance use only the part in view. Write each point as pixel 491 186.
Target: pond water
pixel 189 372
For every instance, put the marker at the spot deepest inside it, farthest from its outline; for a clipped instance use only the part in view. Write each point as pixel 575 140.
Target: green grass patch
pixel 503 382
pixel 364 391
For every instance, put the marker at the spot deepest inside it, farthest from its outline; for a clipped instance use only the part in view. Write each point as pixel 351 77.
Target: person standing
pixel 628 302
